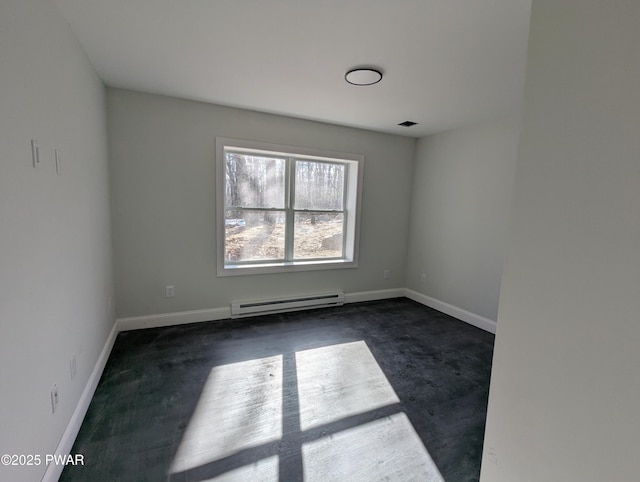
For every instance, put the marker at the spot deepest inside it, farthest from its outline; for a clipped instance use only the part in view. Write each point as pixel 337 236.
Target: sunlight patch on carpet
pixel 339 381
pixel 265 470
pixel 240 407
pixel 385 449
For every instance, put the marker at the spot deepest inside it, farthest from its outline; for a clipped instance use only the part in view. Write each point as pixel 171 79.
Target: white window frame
pixel 351 236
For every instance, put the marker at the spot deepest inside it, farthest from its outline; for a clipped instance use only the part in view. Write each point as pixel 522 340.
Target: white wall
pixel 163 163
pixel 55 261
pixel 459 211
pixel 565 387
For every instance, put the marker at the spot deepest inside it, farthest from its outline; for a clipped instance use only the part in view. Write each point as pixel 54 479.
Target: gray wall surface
pixel 55 242
pixel 460 204
pixel 565 386
pixel 163 188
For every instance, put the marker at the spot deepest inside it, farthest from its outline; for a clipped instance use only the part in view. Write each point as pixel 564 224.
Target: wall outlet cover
pixel 54 398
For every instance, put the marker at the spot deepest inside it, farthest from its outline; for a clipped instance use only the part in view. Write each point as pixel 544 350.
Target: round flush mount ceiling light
pixel 363 76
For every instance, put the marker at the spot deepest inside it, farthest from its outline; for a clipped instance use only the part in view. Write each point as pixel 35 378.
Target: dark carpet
pixel 384 390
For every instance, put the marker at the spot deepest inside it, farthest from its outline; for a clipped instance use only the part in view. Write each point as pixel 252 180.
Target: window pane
pixel 254 181
pixel 253 235
pixel 319 185
pixel 317 235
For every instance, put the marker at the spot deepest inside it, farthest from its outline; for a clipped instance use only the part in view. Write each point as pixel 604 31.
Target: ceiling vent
pixel 407 123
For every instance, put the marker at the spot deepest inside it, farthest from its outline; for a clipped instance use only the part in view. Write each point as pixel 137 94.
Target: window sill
pixel 286 267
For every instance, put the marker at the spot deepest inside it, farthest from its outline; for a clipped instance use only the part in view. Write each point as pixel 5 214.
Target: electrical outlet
pixel 54 398
pixel 386 274
pixel 169 291
pixel 423 278
pixel 58 161
pixel 73 368
pixel 35 153
pixel 493 455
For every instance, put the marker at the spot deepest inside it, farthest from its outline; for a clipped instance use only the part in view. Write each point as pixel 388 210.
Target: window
pixel 283 208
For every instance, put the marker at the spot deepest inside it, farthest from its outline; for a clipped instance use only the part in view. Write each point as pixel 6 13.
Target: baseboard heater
pixel 242 309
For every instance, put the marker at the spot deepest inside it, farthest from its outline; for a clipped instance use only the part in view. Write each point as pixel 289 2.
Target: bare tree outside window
pixel 265 204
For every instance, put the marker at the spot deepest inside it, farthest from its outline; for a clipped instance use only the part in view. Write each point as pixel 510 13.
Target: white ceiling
pixel 446 63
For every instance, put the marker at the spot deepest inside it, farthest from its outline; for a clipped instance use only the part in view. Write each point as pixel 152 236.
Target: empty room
pixel 293 240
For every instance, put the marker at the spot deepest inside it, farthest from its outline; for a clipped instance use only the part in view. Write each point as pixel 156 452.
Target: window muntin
pixel 284 209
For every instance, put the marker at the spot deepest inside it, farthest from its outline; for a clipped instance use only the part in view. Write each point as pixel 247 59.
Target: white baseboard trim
pixel 54 471
pixel 168 319
pixel 216 314
pixel 373 295
pixel 463 315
